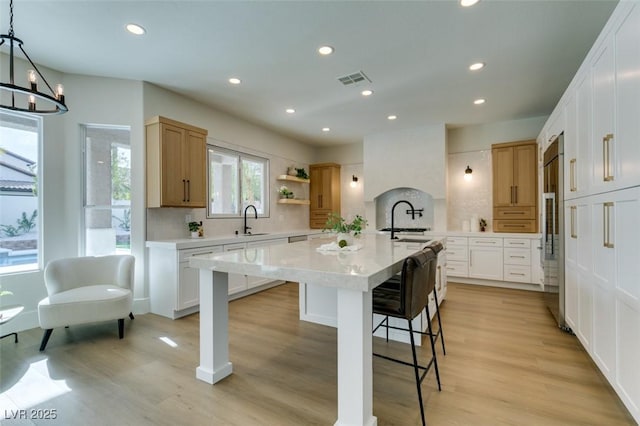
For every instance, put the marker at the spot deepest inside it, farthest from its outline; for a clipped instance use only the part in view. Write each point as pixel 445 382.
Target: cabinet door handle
pixel 572 175
pixel 184 190
pixel 188 190
pixel 517 257
pixel 506 213
pixel 606 163
pixel 572 218
pixel 606 232
pixel 516 191
pixel 512 195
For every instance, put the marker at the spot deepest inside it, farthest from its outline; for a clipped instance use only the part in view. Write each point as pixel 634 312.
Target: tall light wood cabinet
pixel 515 190
pixel 176 164
pixel 324 193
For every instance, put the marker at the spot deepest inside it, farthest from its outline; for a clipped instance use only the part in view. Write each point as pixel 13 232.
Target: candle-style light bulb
pixel 33 79
pixel 32 103
pixel 60 92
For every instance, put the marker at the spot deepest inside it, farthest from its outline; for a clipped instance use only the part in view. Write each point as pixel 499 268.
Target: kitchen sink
pixel 412 240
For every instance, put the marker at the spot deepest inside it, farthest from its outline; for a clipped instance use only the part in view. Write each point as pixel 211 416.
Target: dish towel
pixel 333 246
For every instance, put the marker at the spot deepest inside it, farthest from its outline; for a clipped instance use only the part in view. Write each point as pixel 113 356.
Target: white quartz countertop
pixel 189 243
pixel 362 270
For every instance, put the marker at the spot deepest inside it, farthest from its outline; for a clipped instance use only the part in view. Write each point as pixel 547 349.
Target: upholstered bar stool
pixel 406 301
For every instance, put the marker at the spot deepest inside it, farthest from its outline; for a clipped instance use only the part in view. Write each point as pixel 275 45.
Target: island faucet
pixel 246 228
pixel 412 211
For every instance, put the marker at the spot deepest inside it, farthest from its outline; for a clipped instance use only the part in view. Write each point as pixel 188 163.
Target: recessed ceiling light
pixel 392 117
pixel 367 92
pixel 290 110
pixel 234 80
pixel 467 3
pixel 135 29
pixel 325 50
pixel 479 101
pixel 326 129
pixel 476 66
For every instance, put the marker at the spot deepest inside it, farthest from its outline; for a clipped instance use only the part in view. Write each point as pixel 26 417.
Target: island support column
pixel 214 327
pixel 355 364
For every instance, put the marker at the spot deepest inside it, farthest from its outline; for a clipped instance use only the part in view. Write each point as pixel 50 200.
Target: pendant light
pixel 28 99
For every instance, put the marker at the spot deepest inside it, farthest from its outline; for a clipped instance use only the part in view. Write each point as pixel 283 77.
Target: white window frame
pixel 241 205
pixel 85 207
pixel 18 269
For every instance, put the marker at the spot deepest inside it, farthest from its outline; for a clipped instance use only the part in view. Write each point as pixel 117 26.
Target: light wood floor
pixel 506 364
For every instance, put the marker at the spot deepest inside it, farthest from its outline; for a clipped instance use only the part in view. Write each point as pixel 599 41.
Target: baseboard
pixel 492 283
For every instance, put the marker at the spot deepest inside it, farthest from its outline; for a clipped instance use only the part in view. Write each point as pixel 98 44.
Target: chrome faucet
pixel 412 211
pixel 246 228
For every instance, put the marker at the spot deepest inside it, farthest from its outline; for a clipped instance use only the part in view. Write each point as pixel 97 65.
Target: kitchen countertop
pixel 190 243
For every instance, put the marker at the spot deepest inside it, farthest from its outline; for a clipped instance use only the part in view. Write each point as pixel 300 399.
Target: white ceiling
pixel 416 53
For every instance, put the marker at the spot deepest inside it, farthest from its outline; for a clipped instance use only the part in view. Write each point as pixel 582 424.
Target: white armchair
pixel 85 290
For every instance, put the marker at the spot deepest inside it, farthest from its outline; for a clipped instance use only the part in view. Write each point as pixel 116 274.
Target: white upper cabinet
pixel 603 135
pixel 626 142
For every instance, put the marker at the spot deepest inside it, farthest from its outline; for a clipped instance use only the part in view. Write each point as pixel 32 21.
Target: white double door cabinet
pixel 602 285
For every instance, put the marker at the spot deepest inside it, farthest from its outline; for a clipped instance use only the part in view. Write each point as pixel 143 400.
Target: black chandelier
pixel 54 101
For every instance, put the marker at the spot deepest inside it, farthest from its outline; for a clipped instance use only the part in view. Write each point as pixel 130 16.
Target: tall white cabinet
pixel 602 203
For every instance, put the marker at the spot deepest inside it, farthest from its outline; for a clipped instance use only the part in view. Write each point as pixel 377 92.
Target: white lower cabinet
pixel 237 282
pixel 486 258
pixel 507 259
pixel 173 285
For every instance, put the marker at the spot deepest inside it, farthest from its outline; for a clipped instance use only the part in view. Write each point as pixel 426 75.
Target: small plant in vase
pixel 483 225
pixel 285 192
pixel 301 173
pixel 196 229
pixel 345 230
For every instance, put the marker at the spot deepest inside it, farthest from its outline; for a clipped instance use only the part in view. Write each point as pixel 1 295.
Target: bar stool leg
pixel 433 348
pixel 417 373
pixel 435 293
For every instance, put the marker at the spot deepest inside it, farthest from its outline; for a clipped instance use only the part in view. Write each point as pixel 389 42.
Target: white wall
pixel 471 146
pixel 90 100
pixel 229 132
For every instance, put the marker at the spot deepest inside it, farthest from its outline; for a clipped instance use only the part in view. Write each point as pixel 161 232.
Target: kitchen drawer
pixel 485 242
pixel 185 254
pixel 514 226
pixel 514 213
pixel 457 241
pixel 517 242
pixel 457 253
pixel 457 269
pixel 514 256
pixel 517 273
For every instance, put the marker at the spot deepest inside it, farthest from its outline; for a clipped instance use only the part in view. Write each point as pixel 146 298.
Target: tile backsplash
pixel 468 198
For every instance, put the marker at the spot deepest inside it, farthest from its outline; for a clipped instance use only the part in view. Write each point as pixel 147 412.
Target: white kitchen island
pixel 354 274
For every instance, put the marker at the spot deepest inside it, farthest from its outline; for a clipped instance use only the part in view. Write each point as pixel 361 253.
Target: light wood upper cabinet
pixel 176 164
pixel 324 193
pixel 515 186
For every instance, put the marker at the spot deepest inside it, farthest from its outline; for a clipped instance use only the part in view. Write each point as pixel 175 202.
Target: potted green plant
pixel 301 173
pixel 285 192
pixel 345 230
pixel 196 229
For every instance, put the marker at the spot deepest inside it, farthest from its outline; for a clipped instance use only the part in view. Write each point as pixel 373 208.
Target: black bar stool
pixel 405 298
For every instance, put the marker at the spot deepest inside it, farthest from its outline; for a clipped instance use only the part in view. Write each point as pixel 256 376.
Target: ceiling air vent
pixel 354 78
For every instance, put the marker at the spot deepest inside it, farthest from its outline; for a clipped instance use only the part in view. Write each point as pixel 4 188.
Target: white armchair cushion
pixel 87 289
pixel 84 304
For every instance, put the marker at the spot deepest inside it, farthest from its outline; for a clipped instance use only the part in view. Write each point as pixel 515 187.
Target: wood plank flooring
pixel 506 364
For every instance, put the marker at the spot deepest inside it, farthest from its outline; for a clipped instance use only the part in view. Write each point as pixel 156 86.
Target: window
pixel 107 190
pixel 19 205
pixel 236 180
